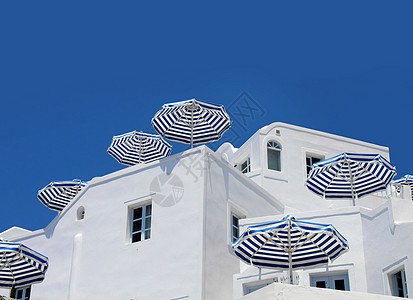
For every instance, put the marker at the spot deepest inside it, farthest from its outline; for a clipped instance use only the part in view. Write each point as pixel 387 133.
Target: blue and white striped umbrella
pixel 350 175
pixel 137 147
pixel 407 180
pixel 56 195
pixel 290 244
pixel 191 122
pixel 20 265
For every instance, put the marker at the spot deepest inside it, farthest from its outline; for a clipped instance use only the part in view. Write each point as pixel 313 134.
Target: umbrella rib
pixel 66 190
pixel 297 244
pixel 12 274
pixel 7 265
pixel 308 239
pixel 269 239
pixel 207 112
pixel 179 117
pixel 282 243
pixel 3 258
pixel 338 172
pixel 123 159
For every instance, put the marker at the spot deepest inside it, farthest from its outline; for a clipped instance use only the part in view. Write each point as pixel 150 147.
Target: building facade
pixel 164 230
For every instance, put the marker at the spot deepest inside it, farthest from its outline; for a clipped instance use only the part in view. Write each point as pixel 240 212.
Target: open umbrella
pixel 20 265
pixel 56 195
pixel 191 122
pixel 350 175
pixel 138 147
pixel 407 180
pixel 290 244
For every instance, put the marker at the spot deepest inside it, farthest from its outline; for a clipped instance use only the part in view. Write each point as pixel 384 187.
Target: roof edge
pixel 266 129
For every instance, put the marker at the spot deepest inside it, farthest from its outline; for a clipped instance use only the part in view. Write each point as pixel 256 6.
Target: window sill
pixel 275 175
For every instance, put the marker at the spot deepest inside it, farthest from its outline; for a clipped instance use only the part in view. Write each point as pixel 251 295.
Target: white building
pixel 164 230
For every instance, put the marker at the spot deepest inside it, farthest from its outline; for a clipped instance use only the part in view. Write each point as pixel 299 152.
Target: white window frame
pixel 329 278
pixel 145 229
pixel 394 285
pixel 273 145
pixel 234 209
pixel 312 156
pixel 392 269
pixel 233 227
pixel 247 168
pixel 24 290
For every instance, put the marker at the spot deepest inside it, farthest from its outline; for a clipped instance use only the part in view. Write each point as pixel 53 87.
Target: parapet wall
pixel 280 291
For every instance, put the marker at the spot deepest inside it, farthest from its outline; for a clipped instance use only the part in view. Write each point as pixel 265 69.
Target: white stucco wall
pixel 288 185
pixel 378 247
pixel 188 254
pixel 347 221
pixel 227 190
pixel 279 291
pixel 388 248
pixel 102 264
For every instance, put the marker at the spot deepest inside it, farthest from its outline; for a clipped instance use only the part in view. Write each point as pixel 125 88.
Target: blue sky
pixel 72 75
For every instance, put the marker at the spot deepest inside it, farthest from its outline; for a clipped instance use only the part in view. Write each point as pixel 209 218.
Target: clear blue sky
pixel 74 74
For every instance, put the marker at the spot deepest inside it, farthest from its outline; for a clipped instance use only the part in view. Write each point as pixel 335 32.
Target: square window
pixel 333 281
pixel 22 293
pixel 140 223
pixel 310 160
pixel 246 166
pixel 235 226
pixel 398 284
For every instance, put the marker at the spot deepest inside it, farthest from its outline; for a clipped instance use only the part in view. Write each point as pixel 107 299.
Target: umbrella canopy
pixel 191 122
pixel 350 175
pixel 56 195
pixel 407 180
pixel 290 244
pixel 137 147
pixel 20 265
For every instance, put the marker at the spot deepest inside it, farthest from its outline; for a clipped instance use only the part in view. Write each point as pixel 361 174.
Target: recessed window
pixel 398 284
pixel 245 166
pixel 80 214
pixel 274 155
pixel 234 226
pixel 333 281
pixel 22 293
pixel 310 160
pixel 141 218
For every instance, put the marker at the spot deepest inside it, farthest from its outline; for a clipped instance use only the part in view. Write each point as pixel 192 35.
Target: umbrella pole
pixel 192 125
pixel 290 260
pixel 192 142
pixel 354 199
pixel 140 151
pixel 351 184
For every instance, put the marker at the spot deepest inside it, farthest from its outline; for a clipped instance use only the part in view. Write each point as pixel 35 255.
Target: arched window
pixel 274 155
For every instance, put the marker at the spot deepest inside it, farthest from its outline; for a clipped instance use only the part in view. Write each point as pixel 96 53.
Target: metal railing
pixel 394 190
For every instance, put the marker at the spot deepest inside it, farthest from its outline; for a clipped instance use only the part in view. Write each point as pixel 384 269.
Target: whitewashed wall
pixel 188 254
pixel 228 190
pixel 289 184
pixel 378 247
pixel 293 292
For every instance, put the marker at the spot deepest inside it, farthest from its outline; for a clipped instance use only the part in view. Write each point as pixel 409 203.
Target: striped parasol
pixel 56 195
pixel 138 147
pixel 20 265
pixel 191 122
pixel 350 175
pixel 290 244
